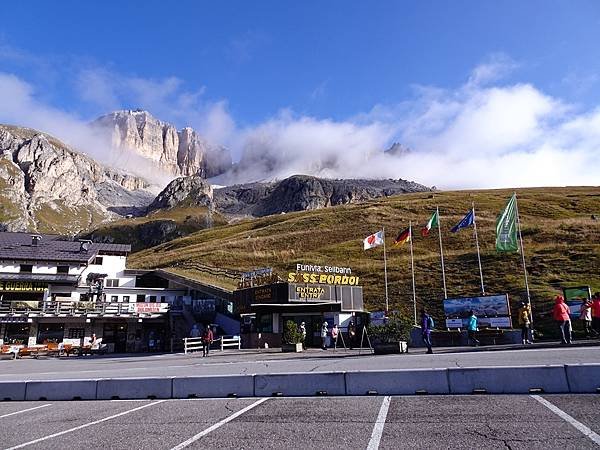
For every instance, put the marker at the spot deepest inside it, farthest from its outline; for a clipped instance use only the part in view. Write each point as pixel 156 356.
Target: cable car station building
pixel 312 294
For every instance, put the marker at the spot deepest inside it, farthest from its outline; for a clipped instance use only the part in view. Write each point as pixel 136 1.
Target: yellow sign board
pixel 321 278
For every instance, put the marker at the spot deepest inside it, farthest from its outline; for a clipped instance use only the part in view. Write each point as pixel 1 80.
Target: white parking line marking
pixel 379 424
pixel 89 424
pixel 219 424
pixel 24 410
pixel 563 415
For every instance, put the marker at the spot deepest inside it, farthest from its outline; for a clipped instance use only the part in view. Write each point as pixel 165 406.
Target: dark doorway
pixel 313 327
pixel 115 333
pixel 17 333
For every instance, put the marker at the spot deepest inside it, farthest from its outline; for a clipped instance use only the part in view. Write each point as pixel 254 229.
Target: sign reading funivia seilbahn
pixel 313 274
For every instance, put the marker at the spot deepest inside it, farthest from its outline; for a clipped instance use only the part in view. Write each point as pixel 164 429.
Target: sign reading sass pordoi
pixel 22 286
pixel 313 274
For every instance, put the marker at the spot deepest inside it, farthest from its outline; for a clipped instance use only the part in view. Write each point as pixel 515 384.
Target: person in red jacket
pixel 561 312
pixel 596 312
pixel 207 338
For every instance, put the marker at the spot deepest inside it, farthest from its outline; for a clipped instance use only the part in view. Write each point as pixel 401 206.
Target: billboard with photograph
pixel 574 298
pixel 491 311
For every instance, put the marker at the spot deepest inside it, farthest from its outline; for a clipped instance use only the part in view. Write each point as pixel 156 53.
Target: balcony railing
pixel 72 308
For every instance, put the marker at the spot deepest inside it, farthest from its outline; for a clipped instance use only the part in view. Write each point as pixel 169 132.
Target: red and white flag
pixel 374 240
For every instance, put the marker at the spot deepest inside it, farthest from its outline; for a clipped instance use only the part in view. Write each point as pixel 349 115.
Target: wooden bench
pixel 490 336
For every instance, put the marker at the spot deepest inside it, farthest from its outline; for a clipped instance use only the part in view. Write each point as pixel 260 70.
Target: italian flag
pixel 434 222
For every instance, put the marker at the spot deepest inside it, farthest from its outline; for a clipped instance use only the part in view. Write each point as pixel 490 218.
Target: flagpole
pixel 478 253
pixel 523 253
pixel 437 209
pixel 412 267
pixel 385 272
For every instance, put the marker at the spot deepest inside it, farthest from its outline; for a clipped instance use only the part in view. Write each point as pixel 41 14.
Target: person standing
pixel 586 316
pixel 472 329
pixel 207 339
pixel 351 334
pixel 302 331
pixel 524 317
pixel 596 313
pixel 426 327
pixel 334 335
pixel 324 336
pixel 561 312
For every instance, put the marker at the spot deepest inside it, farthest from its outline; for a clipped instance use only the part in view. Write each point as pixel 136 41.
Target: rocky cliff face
pixel 182 152
pixel 303 192
pixel 184 192
pixel 46 186
pixel 296 193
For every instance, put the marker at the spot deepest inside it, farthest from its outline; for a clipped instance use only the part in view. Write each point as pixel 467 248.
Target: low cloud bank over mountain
pixel 484 133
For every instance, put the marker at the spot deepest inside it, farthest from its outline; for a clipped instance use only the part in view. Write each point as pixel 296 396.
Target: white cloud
pixel 289 144
pixel 497 66
pixel 21 107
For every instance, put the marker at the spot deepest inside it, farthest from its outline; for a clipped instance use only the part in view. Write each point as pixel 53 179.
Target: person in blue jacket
pixel 472 329
pixel 426 327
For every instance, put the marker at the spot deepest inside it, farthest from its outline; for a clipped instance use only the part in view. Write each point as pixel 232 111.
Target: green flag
pixel 433 222
pixel 506 227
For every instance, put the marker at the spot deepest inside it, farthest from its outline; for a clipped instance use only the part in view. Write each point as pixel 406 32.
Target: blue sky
pixel 231 68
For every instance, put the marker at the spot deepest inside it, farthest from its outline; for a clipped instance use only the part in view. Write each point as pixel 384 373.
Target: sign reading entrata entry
pixel 22 286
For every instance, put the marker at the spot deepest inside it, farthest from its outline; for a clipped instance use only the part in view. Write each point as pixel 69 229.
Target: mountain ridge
pixel 47 186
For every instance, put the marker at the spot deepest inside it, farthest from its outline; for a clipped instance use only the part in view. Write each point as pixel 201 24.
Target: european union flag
pixel 467 221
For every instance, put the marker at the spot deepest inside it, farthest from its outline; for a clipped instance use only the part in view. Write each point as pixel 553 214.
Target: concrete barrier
pixel 300 384
pixel 134 388
pixel 12 390
pixel 398 382
pixel 214 386
pixel 583 378
pixel 508 380
pixel 61 390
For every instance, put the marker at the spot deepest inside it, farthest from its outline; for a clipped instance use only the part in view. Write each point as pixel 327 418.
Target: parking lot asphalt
pixel 514 422
pixel 253 362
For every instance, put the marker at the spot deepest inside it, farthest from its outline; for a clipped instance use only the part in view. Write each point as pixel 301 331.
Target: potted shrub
pixel 292 338
pixel 392 337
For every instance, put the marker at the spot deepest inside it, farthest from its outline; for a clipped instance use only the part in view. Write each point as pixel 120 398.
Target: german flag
pixel 403 237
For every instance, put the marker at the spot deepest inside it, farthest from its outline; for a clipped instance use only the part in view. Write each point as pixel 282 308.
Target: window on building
pixel 26 268
pixel 163 298
pixel 126 298
pixel 141 298
pixel 62 269
pixel 114 298
pixel 76 333
pixel 98 260
pixel 153 299
pixel 112 282
pixel 50 332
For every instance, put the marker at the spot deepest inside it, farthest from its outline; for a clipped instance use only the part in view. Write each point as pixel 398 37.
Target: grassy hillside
pixel 160 226
pixel 562 246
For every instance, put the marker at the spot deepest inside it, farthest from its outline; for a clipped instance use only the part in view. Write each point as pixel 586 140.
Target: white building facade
pixel 52 289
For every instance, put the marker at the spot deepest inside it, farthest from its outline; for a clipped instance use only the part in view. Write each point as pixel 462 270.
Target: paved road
pixel 271 362
pixel 495 422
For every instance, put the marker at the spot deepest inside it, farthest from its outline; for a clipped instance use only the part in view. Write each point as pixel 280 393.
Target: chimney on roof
pixel 84 245
pixel 35 239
